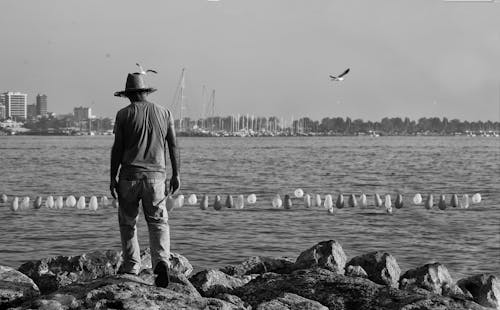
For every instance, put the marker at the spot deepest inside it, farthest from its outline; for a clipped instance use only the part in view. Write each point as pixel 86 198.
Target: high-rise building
pixel 82 113
pixel 31 110
pixel 41 105
pixel 15 105
pixel 2 111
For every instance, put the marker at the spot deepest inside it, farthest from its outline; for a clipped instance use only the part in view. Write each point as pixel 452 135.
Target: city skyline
pixel 415 59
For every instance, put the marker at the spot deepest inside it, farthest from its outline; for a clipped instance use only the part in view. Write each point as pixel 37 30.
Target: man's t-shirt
pixel 142 129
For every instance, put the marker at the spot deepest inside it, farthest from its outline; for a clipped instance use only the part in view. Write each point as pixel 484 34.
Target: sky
pixel 408 58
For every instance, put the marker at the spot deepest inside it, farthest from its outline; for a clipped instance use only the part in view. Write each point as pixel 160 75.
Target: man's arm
pixel 116 157
pixel 173 154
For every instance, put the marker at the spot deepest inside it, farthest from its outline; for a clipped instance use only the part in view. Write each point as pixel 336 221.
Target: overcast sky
pixel 264 57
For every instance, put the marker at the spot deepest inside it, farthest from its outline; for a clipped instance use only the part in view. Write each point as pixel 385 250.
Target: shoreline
pixel 321 277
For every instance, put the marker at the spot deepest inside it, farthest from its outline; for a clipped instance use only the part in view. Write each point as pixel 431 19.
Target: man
pixel 144 132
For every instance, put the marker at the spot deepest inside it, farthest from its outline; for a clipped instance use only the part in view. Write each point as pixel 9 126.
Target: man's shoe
pixel 161 272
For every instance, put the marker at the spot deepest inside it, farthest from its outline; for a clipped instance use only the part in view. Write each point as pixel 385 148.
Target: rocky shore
pixel 322 277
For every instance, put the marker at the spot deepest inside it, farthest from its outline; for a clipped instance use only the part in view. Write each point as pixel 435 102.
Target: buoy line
pixel 308 200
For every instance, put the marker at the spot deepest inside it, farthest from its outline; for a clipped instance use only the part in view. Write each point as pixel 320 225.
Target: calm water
pixel 466 241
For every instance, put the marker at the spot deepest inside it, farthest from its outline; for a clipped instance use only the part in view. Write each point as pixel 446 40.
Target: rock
pixel 212 282
pixel 52 273
pixel 431 277
pixel 356 271
pixel 130 292
pixel 484 288
pixel 381 268
pixel 178 263
pixel 258 265
pixel 326 254
pixel 15 287
pixel 339 292
pixel 233 299
pixel 288 301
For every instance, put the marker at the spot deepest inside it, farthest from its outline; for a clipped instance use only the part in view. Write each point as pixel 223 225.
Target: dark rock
pixel 289 301
pixel 211 282
pixel 431 277
pixel 339 292
pixel 52 273
pixel 355 271
pixel 484 288
pixel 381 268
pixel 124 292
pixel 15 287
pixel 326 254
pixel 178 263
pixel 55 272
pixel 233 299
pixel 258 265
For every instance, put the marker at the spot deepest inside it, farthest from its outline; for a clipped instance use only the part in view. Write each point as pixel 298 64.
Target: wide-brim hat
pixel 135 83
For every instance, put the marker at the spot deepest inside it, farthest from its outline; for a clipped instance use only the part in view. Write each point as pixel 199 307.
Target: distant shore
pixel 244 134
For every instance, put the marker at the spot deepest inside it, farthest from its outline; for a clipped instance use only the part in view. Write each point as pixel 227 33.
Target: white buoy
pixel 25 203
pixel 352 202
pixel 378 201
pixel 4 198
pixel 104 201
pixel 81 203
pixel 49 203
pixel 307 201
pixel 169 203
pixel 318 200
pixel 340 201
pixel 328 202
pixel 298 193
pixel 388 202
pixel 476 198
pixel 229 202
pixel 399 201
pixel 240 202
pixel 58 204
pixel 204 203
pixel 276 202
pixel 252 198
pixel 179 201
pixel 93 203
pixel 363 201
pixel 192 200
pixel 429 203
pixel 442 202
pixel 218 203
pixel 115 203
pixel 15 204
pixel 454 201
pixel 417 199
pixel 464 204
pixel 38 202
pixel 70 201
pixel 287 202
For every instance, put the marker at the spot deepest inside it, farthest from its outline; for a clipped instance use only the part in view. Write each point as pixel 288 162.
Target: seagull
pixel 141 70
pixel 340 77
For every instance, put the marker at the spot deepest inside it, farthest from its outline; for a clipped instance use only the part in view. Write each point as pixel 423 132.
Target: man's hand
pixel 174 184
pixel 113 188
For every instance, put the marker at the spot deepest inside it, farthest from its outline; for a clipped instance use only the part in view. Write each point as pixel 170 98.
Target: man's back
pixel 142 129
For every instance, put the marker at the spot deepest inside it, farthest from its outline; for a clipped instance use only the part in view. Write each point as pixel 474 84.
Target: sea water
pixel 467 241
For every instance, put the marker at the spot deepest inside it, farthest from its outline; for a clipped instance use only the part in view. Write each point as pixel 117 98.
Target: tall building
pixel 82 113
pixel 15 105
pixel 41 105
pixel 31 110
pixel 2 111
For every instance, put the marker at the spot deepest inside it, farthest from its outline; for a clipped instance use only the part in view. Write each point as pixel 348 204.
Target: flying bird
pixel 141 70
pixel 340 77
